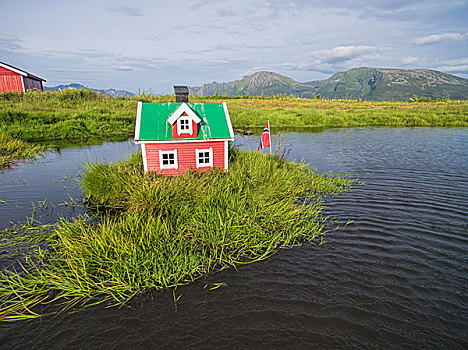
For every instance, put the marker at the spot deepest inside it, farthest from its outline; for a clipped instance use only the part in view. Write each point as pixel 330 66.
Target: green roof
pixel 152 125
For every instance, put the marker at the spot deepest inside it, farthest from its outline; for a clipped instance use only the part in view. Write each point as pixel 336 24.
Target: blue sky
pixel 152 45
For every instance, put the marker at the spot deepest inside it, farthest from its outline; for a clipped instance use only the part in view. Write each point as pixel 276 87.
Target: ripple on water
pixel 395 277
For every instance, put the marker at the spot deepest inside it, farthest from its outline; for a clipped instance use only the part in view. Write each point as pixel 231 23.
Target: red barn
pixel 17 80
pixel 178 136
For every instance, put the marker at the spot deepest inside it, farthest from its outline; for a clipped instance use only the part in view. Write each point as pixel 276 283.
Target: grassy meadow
pixel 77 116
pixel 155 232
pixel 304 113
pixel 49 117
pixel 33 121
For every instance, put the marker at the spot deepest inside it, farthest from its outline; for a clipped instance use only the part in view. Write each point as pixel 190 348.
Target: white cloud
pixel 414 61
pixel 10 43
pixel 68 70
pixel 127 11
pixel 454 66
pixel 454 69
pixel 437 38
pixel 341 58
pixel 344 53
pixel 151 44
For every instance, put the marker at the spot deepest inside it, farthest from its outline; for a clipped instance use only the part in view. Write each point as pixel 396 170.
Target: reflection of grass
pixel 161 232
pixel 11 150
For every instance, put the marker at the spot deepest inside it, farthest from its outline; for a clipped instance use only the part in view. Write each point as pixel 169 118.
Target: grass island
pixel 152 232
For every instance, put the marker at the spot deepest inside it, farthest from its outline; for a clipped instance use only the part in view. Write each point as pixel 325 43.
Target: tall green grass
pixel 12 150
pixel 71 114
pixel 157 232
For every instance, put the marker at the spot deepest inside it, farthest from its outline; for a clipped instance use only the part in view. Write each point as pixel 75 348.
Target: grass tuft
pixel 12 150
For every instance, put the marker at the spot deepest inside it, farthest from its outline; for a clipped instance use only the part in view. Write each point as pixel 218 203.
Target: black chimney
pixel 181 93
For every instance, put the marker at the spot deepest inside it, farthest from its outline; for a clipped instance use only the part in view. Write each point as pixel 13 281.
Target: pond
pixel 395 277
pixel 41 188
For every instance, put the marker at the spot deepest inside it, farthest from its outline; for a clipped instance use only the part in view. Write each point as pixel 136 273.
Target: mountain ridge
pixel 368 83
pixel 109 92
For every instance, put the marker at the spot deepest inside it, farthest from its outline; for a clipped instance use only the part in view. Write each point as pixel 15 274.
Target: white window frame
pixel 179 126
pixel 168 166
pixel 197 157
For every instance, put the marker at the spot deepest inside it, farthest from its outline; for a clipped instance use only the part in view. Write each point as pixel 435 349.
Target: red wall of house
pixel 185 135
pixel 10 81
pixel 185 156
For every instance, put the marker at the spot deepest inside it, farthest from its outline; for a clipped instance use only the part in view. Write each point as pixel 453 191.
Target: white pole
pixel 270 136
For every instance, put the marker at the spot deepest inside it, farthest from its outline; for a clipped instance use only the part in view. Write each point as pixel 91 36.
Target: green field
pixel 52 118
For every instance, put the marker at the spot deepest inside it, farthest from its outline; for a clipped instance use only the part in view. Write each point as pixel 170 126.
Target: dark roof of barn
pixel 29 75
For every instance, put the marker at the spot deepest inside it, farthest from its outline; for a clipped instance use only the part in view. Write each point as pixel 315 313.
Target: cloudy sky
pixel 151 45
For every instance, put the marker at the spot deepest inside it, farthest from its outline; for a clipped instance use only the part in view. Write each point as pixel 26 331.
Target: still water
pixel 396 277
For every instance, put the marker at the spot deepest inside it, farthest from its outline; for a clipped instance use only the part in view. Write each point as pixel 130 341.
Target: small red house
pixel 178 136
pixel 17 80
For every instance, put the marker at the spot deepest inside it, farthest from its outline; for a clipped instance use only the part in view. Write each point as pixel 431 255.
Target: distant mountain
pixel 109 92
pixel 257 84
pixel 375 84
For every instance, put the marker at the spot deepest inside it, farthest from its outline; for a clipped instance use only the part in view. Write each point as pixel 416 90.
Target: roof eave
pixel 35 77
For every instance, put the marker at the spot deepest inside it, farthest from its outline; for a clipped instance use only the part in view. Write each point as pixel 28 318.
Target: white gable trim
pixel 145 160
pixel 226 155
pixel 138 121
pixel 13 69
pixel 228 120
pixel 179 111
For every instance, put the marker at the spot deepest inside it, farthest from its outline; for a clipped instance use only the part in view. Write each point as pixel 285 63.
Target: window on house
pixel 168 159
pixel 184 126
pixel 204 157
